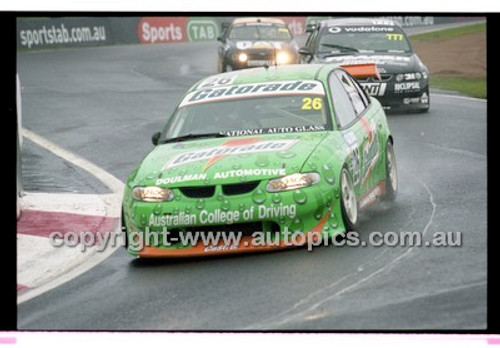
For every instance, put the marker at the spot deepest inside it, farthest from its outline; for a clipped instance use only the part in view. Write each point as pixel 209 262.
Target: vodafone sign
pixel 162 29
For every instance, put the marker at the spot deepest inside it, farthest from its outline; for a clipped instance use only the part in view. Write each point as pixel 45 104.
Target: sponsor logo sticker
pixel 297 87
pixel 374 89
pixel 334 30
pixel 202 29
pixel 161 29
pixel 406 86
pixel 230 147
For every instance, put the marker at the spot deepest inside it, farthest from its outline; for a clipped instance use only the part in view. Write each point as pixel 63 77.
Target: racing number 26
pixel 311 103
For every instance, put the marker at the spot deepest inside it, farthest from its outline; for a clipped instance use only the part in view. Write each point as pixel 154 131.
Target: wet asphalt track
pixel 104 104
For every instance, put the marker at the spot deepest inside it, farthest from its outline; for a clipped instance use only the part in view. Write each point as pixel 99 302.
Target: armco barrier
pixel 61 32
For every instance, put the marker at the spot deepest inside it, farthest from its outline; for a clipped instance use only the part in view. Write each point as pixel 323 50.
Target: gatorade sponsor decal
pixel 306 87
pixel 230 147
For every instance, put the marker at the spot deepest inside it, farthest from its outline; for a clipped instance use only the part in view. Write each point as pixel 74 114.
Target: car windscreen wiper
pixel 340 47
pixel 329 54
pixel 193 136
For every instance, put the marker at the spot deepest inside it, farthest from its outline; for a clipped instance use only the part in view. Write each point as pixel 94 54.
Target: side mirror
pixel 310 28
pixel 155 138
pixel 220 38
pixel 305 51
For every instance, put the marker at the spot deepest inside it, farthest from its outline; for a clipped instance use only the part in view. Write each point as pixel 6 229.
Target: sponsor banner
pixel 297 25
pixel 376 59
pixel 274 130
pixel 253 90
pixel 44 33
pixel 63 32
pixel 243 45
pixel 236 173
pixel 202 29
pixel 362 29
pixel 219 216
pixel 162 29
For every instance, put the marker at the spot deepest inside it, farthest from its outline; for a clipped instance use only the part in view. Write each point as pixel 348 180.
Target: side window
pixel 350 87
pixel 342 105
pixel 311 41
pixel 362 92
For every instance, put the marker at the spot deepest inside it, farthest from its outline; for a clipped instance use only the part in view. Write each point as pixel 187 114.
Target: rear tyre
pixel 348 201
pixel 391 176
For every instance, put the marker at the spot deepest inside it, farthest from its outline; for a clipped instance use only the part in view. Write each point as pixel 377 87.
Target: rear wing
pixel 362 70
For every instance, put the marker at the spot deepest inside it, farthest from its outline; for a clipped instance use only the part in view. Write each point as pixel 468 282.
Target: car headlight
pixel 152 194
pixel 242 57
pixel 418 75
pixel 400 77
pixel 293 182
pixel 282 57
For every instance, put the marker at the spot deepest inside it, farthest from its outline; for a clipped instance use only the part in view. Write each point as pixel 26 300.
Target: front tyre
pixel 348 201
pixel 124 230
pixel 391 170
pixel 426 109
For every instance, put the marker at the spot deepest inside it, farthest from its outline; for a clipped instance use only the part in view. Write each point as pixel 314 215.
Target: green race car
pixel 261 159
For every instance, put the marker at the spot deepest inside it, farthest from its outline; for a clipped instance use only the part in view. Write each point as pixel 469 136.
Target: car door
pixel 372 155
pixel 351 106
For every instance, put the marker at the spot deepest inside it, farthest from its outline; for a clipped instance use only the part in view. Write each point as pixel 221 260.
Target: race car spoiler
pixel 362 70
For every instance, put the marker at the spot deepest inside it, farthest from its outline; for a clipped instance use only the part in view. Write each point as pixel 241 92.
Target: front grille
pixel 198 192
pixel 261 55
pixel 239 189
pixel 386 77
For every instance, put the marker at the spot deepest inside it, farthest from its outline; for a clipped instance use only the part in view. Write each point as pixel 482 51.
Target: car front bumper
pixel 311 210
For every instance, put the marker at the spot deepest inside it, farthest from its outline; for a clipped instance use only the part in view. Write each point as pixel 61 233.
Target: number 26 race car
pixel 252 157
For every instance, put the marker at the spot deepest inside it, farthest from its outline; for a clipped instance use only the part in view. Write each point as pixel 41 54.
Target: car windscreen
pixel 262 31
pixel 364 39
pixel 273 108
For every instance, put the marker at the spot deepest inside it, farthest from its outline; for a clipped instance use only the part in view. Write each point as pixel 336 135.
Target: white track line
pixel 461 97
pixel 106 178
pixel 73 203
pixel 108 206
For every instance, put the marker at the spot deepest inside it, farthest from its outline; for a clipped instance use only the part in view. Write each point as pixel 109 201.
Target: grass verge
pixel 450 33
pixel 474 87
